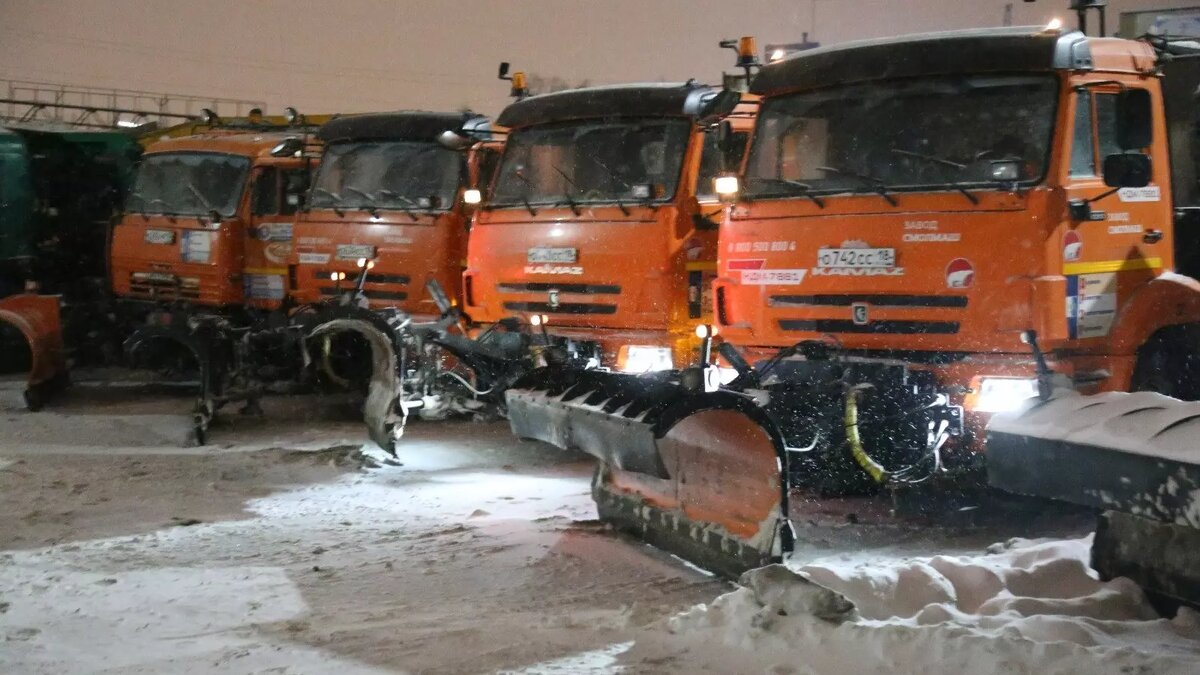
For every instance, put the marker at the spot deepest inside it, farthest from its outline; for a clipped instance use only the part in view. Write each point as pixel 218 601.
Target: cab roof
pixel 655 99
pixel 988 50
pixel 414 125
pixel 246 144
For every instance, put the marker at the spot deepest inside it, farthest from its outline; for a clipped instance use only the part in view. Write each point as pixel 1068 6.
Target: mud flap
pixel 702 475
pixel 36 318
pixel 383 392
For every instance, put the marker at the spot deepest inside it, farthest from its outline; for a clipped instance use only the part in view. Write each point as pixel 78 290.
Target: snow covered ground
pixel 1023 607
pixel 280 548
pixel 276 550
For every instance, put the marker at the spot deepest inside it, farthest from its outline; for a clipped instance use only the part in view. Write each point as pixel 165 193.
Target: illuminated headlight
pixel 726 187
pixel 641 359
pixel 472 196
pixel 1002 394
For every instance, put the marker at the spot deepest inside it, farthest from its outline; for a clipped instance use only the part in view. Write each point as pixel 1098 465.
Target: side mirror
pixel 452 140
pixel 1128 170
pixel 289 147
pixel 1134 121
pixel 708 105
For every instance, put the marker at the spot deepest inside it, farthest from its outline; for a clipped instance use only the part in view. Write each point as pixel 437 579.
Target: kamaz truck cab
pixel 209 220
pixel 389 194
pixel 601 226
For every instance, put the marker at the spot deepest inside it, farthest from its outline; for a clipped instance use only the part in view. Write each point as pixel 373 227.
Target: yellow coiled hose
pixel 873 468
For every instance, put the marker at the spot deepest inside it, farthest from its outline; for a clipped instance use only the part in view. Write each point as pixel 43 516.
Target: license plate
pixel 159 237
pixel 552 255
pixel 856 257
pixel 160 277
pixel 355 251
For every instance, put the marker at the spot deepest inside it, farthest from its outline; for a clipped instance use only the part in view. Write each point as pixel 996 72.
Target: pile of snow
pixel 1026 606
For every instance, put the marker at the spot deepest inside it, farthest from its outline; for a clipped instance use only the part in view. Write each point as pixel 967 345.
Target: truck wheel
pixel 1164 365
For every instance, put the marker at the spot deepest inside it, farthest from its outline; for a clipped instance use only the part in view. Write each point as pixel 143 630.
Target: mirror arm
pixel 1081 209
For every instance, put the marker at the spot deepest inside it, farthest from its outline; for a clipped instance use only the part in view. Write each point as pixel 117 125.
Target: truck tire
pixel 1166 365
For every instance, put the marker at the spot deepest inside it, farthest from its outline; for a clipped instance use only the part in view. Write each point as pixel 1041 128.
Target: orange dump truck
pixel 601 224
pixel 928 230
pixel 199 260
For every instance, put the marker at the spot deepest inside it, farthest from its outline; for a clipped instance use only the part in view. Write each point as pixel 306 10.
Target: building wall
pixel 354 55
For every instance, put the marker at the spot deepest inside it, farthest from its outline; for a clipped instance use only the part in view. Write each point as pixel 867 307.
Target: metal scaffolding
pixel 95 107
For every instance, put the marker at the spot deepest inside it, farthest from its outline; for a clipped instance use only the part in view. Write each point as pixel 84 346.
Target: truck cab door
pixel 276 198
pixel 1127 239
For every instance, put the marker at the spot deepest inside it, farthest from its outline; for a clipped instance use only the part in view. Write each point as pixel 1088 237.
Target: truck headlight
pixel 644 359
pixel 726 187
pixel 1002 394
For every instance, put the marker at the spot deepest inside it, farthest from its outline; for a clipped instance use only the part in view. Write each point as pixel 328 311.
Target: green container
pixel 59 193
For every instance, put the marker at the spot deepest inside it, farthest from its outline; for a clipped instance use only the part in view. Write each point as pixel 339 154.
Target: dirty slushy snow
pixel 1025 606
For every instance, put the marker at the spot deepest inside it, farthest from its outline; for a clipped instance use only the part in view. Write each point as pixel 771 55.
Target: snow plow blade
pixel 1129 452
pixel 36 319
pixel 383 392
pixel 1132 456
pixel 701 475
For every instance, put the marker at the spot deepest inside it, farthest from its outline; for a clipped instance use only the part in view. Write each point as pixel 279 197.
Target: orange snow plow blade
pixel 35 318
pixel 701 475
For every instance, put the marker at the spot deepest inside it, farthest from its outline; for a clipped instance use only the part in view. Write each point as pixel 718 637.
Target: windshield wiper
pixel 801 189
pixel 613 175
pixel 525 195
pixel 943 162
pixel 147 203
pixel 369 207
pixel 384 192
pixel 871 182
pixel 337 200
pixel 213 213
pixel 570 202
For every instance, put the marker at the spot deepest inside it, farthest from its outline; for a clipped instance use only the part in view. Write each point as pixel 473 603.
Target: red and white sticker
pixel 747 264
pixel 1072 246
pixel 960 273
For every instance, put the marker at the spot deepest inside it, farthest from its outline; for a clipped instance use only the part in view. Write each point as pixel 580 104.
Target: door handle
pixel 1152 236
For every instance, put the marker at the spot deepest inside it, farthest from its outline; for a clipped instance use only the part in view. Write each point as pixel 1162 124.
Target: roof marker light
pixel 1054 26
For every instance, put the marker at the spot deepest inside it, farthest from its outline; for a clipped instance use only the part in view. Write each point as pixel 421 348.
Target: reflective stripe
pixel 1113 266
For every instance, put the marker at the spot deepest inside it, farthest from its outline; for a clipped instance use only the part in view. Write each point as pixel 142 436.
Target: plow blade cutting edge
pixel 702 475
pixel 36 319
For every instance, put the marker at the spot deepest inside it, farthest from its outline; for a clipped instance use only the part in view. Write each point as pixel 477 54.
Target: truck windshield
pixel 188 183
pixel 631 160
pixel 913 134
pixel 387 175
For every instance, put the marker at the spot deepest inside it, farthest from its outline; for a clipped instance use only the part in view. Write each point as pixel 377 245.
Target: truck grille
pixel 880 327
pixel 330 288
pixel 542 287
pixel 163 286
pixel 870 299
pixel 561 308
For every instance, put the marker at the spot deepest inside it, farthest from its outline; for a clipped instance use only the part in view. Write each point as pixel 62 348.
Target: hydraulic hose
pixel 874 469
